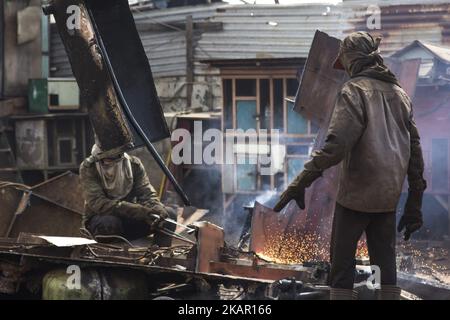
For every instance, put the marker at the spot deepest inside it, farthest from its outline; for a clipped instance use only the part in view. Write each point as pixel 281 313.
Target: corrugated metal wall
pixel 166 49
pixel 268 31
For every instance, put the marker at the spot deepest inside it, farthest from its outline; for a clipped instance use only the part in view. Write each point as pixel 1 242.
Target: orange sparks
pixel 300 247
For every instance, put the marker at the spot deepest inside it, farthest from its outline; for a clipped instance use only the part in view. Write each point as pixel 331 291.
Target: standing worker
pixel 372 134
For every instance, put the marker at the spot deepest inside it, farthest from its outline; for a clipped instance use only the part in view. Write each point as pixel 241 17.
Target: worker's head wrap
pixel 116 176
pixel 359 56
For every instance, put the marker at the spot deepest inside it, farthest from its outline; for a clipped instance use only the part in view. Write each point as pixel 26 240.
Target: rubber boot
pixel 343 294
pixel 389 292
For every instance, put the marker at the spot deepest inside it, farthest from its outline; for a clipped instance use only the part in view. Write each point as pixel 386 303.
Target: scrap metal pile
pixel 41 233
pixel 199 264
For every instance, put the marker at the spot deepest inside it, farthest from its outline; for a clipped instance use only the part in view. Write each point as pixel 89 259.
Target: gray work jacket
pixel 372 134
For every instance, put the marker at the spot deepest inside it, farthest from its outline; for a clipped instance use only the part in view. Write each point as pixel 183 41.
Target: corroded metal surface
pixel 210 239
pixel 315 100
pixel 261 272
pixel 320 82
pixel 64 189
pixel 96 88
pixel 37 214
pixel 114 25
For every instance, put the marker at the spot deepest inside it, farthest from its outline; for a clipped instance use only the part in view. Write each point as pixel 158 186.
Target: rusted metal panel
pixel 288 237
pixel 9 200
pixel 315 100
pixel 210 238
pixel 35 215
pixel 320 82
pixel 115 30
pixel 21 207
pixel 47 218
pixel 258 272
pixel 268 228
pixel 64 189
pixel 89 68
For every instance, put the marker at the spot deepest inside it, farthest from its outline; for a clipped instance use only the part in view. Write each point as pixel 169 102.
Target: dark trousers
pixel 348 226
pixel 130 229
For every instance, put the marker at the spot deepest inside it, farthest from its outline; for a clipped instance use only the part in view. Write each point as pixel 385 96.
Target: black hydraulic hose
pixel 133 121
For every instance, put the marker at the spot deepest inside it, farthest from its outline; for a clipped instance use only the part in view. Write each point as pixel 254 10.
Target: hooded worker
pixel 119 199
pixel 373 136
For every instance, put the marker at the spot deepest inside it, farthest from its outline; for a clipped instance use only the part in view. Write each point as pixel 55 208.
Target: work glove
pixel 143 213
pixel 296 190
pixel 411 219
pixel 132 210
pixel 161 212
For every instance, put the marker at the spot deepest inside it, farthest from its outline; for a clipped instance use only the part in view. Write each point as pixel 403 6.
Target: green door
pixel 246 114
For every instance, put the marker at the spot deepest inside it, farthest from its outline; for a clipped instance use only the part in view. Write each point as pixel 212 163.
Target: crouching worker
pixel 119 199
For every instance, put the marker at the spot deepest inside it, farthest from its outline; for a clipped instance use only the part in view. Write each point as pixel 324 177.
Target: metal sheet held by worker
pixel 268 231
pixel 130 64
pixel 315 100
pixel 320 82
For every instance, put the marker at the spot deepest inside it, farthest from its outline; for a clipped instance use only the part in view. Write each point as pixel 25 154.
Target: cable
pixel 131 118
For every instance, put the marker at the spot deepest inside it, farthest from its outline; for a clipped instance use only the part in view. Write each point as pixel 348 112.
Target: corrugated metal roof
pixel 268 31
pixel 391 2
pixel 401 24
pixel 438 51
pixel 273 31
pixel 166 49
pixel 442 53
